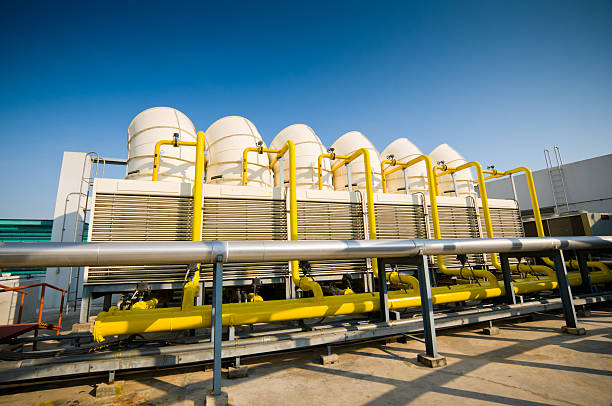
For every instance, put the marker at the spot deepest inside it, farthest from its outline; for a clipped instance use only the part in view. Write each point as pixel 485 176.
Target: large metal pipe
pixel 57 254
pixel 117 322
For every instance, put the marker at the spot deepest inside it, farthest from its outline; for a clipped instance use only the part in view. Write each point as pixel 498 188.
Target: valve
pixel 332 153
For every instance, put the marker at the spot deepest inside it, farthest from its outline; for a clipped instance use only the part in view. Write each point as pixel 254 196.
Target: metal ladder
pixel 557 180
pixel 94 159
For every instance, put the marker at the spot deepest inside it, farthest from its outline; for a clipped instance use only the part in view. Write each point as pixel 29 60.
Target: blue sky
pixel 499 81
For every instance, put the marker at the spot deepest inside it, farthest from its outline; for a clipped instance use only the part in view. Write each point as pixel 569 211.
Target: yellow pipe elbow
pixel 146 304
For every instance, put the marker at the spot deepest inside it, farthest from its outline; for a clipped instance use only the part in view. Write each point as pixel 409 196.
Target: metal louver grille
pixel 399 221
pixel 332 221
pixel 506 223
pixel 245 219
pixel 140 218
pixel 167 218
pixel 459 222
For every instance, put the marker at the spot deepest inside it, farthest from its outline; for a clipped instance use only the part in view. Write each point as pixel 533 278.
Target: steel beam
pixel 383 294
pixel 584 272
pixel 508 285
pixel 565 291
pixel 217 325
pixel 431 347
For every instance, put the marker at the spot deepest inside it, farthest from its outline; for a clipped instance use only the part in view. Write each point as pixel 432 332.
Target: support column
pixel 217 326
pixel 382 290
pixel 508 284
pixel 85 305
pixel 571 322
pixel 431 358
pixel 584 272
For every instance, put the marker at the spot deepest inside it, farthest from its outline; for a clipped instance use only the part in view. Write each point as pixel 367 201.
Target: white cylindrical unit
pixel 227 138
pixel 176 164
pixel 346 145
pixel 308 147
pixel 403 150
pixel 463 178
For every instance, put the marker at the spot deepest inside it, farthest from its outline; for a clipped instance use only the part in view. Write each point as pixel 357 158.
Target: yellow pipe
pixel 369 190
pixel 305 283
pixel 431 179
pixel 146 304
pixel 537 215
pixel 331 156
pixel 487 214
pixel 192 288
pixel 116 322
pixel 156 156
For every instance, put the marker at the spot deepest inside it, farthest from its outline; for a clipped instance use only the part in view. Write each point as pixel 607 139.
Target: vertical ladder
pixel 94 158
pixel 557 180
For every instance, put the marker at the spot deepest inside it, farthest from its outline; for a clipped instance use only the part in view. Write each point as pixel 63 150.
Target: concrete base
pixel 329 359
pixel 220 400
pixel 490 331
pixel 577 331
pixel 432 362
pixel 237 372
pixel 109 389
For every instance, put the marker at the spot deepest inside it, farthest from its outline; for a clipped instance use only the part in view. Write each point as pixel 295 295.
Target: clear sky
pixel 499 81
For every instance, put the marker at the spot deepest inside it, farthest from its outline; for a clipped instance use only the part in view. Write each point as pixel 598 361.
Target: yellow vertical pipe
pixel 489 227
pixel 196 221
pixel 192 288
pixel 305 283
pixel 369 192
pixel 245 163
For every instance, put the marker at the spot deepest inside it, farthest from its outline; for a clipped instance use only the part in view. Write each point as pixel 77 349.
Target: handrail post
pixel 21 307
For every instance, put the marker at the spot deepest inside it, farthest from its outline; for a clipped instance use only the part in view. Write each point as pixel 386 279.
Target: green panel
pixel 28 230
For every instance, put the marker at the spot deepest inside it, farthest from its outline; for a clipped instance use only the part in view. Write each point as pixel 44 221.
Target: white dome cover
pixel 176 164
pixel 227 138
pixel 308 147
pixel 451 158
pixel 346 145
pixel 403 151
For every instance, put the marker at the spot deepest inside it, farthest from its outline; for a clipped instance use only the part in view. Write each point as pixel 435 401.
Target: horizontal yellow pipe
pixel 157 153
pixel 331 156
pixel 118 322
pixel 259 150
